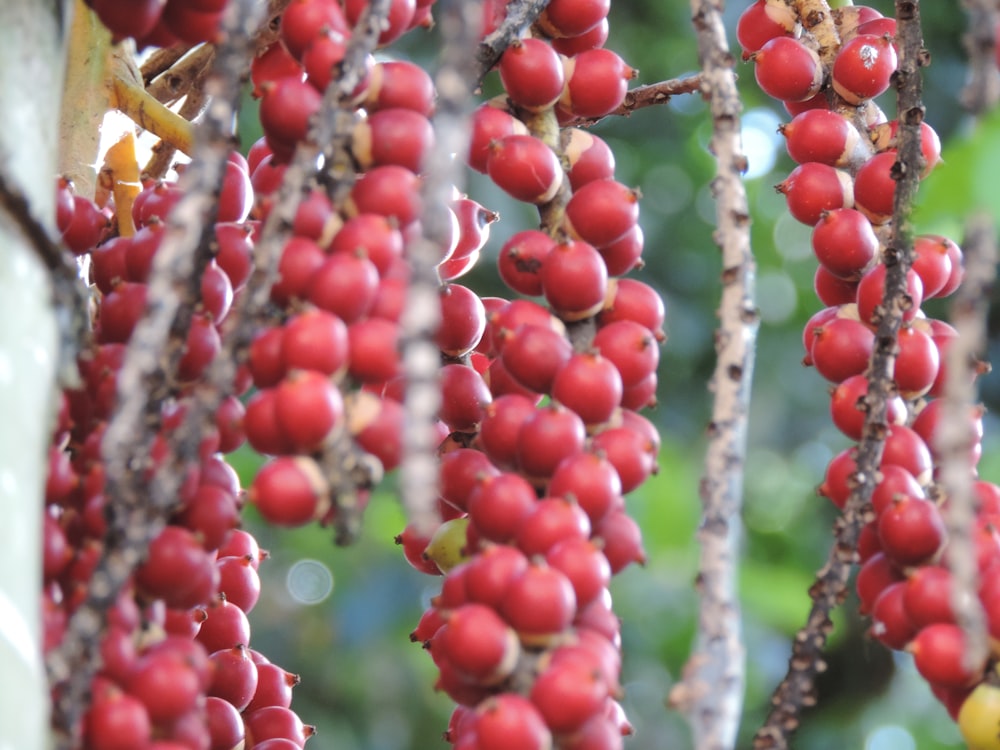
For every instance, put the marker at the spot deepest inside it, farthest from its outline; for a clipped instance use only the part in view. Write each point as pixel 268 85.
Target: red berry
pixel 590 385
pixel 601 212
pixel 509 720
pixel 813 188
pixel 574 280
pixel 841 348
pixel 524 168
pixel 761 22
pixel 788 70
pixel 823 136
pixel 875 188
pixel 289 491
pixel 939 652
pixel 596 82
pixel 532 74
pixel 863 67
pixel 844 242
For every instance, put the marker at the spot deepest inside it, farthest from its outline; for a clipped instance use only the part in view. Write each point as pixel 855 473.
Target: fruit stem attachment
pixel 712 691
pixel 969 311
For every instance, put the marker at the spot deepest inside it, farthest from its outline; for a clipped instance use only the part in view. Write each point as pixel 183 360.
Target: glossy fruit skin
pixel 863 67
pixel 813 188
pixel 571 18
pixel 938 653
pixel 288 491
pixel 761 22
pixel 574 279
pixel 841 348
pixel 788 70
pixel 507 162
pixel 596 82
pixel 590 385
pixel 509 720
pixel 874 188
pixel 601 212
pixel 844 242
pixel 823 136
pixel 532 74
pixel 911 530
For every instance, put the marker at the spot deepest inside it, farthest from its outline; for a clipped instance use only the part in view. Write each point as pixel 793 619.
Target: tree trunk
pixel 31 73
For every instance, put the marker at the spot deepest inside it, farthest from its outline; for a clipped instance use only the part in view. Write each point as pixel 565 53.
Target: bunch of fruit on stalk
pixel 844 188
pixel 539 426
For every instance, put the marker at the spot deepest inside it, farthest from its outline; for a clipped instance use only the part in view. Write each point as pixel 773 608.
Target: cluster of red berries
pixel 540 435
pixel 177 670
pixel 844 189
pixel 546 444
pixel 531 495
pixel 161 23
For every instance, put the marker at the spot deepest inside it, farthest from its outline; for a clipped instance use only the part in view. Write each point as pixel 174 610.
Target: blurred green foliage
pixel 366 687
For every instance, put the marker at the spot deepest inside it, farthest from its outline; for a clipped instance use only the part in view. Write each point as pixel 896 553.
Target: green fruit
pixel 447 547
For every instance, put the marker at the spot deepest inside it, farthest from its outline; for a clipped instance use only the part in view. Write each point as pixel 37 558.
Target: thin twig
pixel 163 59
pixel 954 441
pixel 712 692
pixel 138 508
pixel 349 470
pixel 651 95
pixel 520 15
pixel 798 689
pixel 982 90
pixel 163 152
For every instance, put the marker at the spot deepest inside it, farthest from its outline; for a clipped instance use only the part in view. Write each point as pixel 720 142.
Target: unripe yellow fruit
pixel 447 547
pixel 979 718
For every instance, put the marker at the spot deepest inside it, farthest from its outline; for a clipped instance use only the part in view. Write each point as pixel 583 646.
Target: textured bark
pixel 32 40
pixel 969 311
pixel 712 691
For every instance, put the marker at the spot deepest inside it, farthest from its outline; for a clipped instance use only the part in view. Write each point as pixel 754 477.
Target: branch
pixel 982 90
pixel 183 76
pixel 137 507
pixel 269 30
pixel 798 689
pixel 69 296
pixel 161 60
pixel 712 691
pixel 132 99
pixel 651 95
pixel 520 15
pixel 459 22
pixel 164 151
pixel 969 311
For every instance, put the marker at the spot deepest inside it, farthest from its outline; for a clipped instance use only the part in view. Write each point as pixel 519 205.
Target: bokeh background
pixel 340 617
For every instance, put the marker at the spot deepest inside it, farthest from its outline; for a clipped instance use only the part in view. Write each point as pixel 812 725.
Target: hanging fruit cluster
pixel 844 187
pixel 539 431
